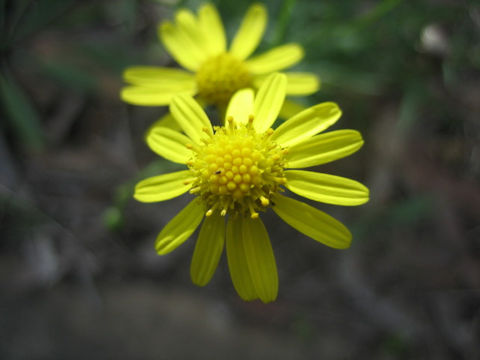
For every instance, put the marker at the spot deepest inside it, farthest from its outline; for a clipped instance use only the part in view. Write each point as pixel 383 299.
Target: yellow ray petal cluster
pixel 239 170
pixel 213 71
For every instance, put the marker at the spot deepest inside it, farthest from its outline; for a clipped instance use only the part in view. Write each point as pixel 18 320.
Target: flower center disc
pixel 238 170
pixel 220 76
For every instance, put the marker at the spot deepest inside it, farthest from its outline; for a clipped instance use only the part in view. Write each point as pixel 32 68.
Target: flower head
pixel 239 170
pixel 213 72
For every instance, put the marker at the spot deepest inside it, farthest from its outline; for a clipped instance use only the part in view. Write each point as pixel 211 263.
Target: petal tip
pixel 317 83
pixel 196 280
pixel 165 27
pixel 346 241
pixel 125 95
pixel 136 196
pixel 125 74
pixel 299 48
pixel 259 8
pixel 206 6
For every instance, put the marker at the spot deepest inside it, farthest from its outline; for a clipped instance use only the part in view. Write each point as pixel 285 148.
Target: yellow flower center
pixel 220 76
pixel 237 170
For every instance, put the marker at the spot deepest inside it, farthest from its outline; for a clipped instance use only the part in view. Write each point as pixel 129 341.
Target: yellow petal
pixel 250 33
pixel 324 148
pixel 180 227
pixel 191 30
pixel 298 83
pixel 278 58
pixel 307 123
pixel 163 187
pixel 302 83
pixel 208 249
pixel 237 261
pixel 290 108
pixel 260 259
pixel 191 117
pixel 170 144
pixel 312 222
pixel 211 24
pixel 153 96
pixel 180 46
pixel 167 121
pixel 159 77
pixel 240 106
pixel 326 188
pixel 269 101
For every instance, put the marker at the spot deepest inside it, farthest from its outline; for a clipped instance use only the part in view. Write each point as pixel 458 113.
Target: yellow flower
pixel 238 170
pixel 198 43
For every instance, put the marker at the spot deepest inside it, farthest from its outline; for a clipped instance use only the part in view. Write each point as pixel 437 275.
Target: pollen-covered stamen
pixel 237 171
pixel 264 200
pixel 219 77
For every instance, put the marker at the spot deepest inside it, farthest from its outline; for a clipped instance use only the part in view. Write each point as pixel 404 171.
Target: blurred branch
pixel 381 311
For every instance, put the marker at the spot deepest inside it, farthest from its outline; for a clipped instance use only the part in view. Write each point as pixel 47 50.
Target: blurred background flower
pixel 198 43
pixel 79 275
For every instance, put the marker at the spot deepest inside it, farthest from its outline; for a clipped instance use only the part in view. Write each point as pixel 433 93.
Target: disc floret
pixel 220 76
pixel 237 170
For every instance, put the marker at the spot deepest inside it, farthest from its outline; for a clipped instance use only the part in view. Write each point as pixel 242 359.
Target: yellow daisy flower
pixel 198 43
pixel 241 169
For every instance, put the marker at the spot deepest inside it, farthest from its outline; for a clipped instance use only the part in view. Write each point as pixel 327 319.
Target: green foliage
pixel 70 75
pixel 20 113
pixel 78 65
pixel 32 16
pixel 408 213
